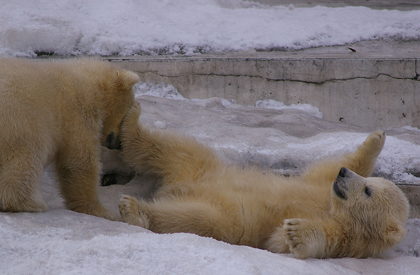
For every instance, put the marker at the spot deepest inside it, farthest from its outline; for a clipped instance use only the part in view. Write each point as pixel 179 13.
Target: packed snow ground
pixel 127 27
pixel 284 138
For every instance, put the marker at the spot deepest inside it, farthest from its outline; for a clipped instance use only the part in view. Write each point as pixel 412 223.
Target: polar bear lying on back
pixel 331 210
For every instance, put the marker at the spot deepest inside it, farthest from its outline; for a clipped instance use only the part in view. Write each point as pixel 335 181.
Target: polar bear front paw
pixel 375 142
pixel 133 212
pixel 305 239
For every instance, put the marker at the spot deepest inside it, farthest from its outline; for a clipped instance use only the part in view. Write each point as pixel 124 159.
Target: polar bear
pixel 334 209
pixel 59 112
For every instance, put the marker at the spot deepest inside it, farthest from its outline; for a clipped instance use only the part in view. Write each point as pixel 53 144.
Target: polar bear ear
pixel 394 232
pixel 127 79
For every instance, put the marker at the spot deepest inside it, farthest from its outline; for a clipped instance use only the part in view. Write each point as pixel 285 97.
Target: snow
pixel 64 242
pixel 272 104
pixel 269 134
pixel 107 27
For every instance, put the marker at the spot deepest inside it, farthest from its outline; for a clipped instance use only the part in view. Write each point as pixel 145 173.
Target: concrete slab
pixel 374 4
pixel 371 84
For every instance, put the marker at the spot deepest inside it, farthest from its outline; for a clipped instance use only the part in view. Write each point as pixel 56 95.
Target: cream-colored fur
pixel 328 211
pixel 58 112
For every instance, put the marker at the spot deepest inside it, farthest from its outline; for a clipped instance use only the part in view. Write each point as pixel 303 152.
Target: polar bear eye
pixel 368 191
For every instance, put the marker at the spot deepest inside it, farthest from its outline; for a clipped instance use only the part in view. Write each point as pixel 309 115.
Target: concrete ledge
pixel 369 84
pixel 374 4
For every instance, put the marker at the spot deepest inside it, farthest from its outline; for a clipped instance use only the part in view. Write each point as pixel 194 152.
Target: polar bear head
pixel 120 97
pixel 373 211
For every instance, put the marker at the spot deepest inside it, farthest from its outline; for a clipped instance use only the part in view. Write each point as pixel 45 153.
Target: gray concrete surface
pixel 371 84
pixel 374 4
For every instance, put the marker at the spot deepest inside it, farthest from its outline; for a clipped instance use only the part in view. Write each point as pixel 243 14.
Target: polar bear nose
pixel 112 141
pixel 343 172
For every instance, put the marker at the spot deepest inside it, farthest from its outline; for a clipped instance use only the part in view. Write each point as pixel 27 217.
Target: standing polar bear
pixel 328 211
pixel 59 112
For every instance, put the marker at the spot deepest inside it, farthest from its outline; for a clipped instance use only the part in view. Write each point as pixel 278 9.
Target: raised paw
pixel 304 238
pixel 132 212
pixel 375 142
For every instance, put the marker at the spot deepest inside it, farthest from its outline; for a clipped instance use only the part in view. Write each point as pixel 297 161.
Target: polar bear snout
pixel 338 190
pixel 349 183
pixel 340 187
pixel 112 141
pixel 343 172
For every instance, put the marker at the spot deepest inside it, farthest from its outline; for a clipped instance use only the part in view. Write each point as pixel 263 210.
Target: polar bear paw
pixel 133 212
pixel 304 238
pixel 375 142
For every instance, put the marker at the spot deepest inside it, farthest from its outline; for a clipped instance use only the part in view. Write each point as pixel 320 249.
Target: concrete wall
pixel 368 92
pixel 375 4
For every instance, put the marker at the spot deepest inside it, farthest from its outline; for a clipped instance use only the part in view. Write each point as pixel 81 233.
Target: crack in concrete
pixel 415 78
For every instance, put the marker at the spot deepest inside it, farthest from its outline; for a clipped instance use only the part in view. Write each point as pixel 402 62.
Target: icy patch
pixel 272 104
pixel 158 90
pixel 160 125
pixel 399 160
pixel 411 128
pixel 170 92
